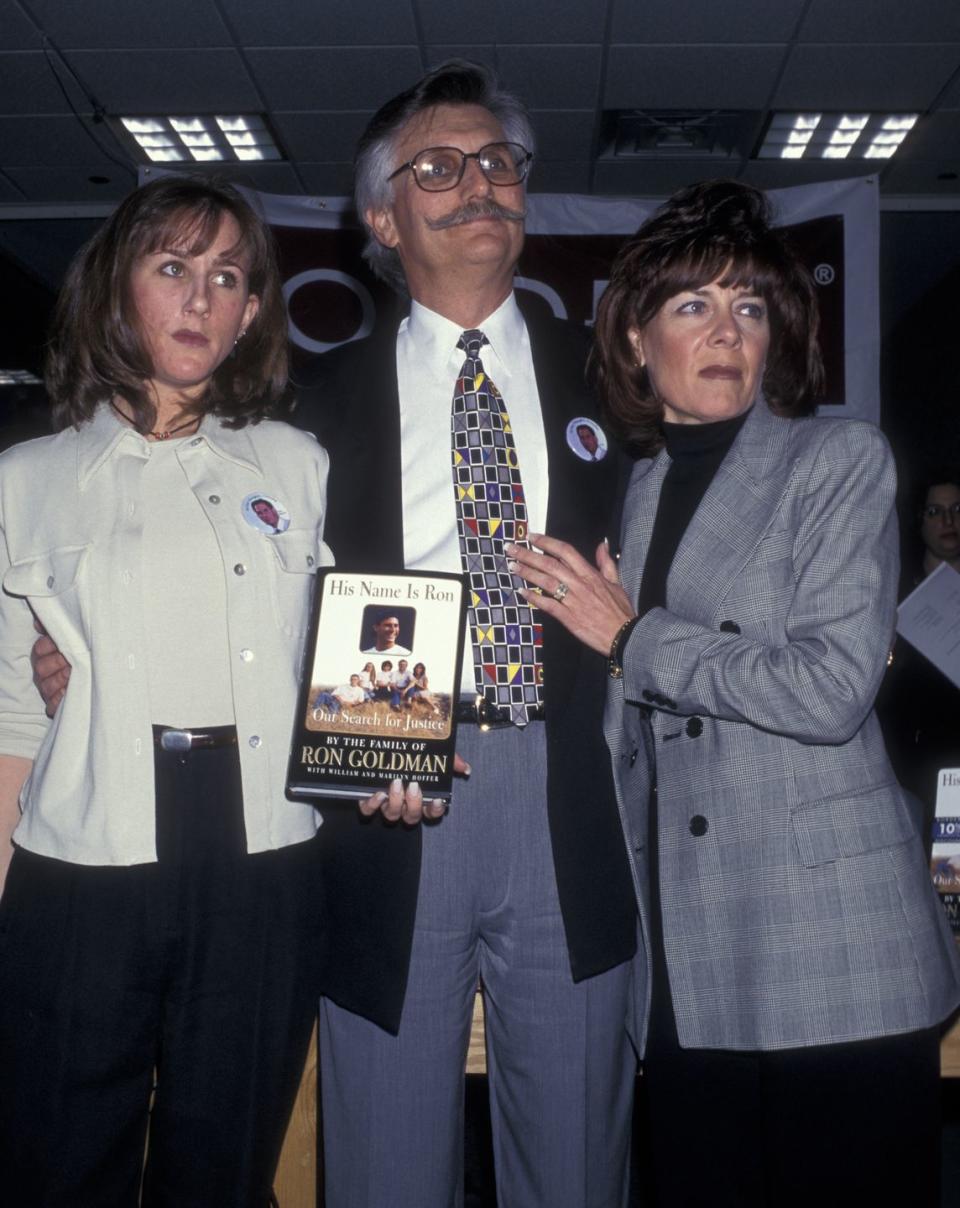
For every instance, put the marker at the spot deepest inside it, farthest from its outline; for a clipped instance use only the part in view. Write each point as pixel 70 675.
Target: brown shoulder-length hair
pixel 716 230
pixel 97 349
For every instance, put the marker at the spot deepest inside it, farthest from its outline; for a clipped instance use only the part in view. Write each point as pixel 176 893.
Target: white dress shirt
pixel 428 362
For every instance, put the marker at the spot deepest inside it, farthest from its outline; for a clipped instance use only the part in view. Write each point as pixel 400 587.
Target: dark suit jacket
pixel 370 868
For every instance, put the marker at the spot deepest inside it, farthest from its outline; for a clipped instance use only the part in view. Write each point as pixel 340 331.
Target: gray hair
pixel 456 82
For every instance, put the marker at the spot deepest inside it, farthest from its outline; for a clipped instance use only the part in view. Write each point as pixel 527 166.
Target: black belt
pixel 167 738
pixel 488 716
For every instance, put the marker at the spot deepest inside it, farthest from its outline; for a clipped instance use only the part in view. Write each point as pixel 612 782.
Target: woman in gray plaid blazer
pixel 796 963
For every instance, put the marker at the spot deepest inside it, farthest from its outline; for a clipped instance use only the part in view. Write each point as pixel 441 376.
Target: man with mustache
pixel 524 883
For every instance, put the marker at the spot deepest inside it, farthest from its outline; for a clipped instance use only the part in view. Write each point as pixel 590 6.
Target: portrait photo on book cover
pixel 396 680
pixel 387 630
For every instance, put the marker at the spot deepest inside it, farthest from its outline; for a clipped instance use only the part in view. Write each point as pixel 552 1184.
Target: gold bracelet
pixel 615 657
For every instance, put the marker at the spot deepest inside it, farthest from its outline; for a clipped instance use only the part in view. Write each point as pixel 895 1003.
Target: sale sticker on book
pixel 945 861
pixel 379 685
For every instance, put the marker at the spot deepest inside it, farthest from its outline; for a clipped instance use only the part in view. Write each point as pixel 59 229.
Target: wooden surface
pixel 950 1052
pixel 295 1184
pixel 477 1052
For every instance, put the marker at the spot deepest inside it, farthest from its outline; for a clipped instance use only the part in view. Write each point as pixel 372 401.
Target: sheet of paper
pixel 929 618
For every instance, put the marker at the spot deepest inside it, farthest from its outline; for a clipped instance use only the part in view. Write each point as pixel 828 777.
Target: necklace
pixel 162 435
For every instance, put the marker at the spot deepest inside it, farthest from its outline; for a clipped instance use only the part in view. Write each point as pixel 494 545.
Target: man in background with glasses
pixel 524 883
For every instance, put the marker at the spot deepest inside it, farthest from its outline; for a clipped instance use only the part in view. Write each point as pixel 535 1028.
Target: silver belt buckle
pixel 176 740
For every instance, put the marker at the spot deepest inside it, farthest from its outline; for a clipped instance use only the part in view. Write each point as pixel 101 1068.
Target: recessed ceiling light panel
pixel 834 135
pixel 200 138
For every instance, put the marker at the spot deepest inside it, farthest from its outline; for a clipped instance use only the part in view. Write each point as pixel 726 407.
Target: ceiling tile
pixel 113 24
pixel 882 21
pixel 563 134
pixel 35 141
pixel 473 52
pixel 64 185
pixel 552 77
pixel 663 21
pixel 16 31
pixel 698 77
pixel 950 98
pixel 28 85
pixel 334 79
pixel 295 23
pixel 9 192
pixel 935 137
pixel 507 22
pixel 865 77
pixel 165 81
pixel 320 136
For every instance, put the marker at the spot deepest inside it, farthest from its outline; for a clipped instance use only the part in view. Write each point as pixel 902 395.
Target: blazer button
pixel 729 627
pixel 698 826
pixel 694 727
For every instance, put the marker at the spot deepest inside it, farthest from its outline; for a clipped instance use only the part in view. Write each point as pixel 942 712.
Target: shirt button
pixel 50 580
pixel 214 498
pixel 239 569
pixel 125 576
pixel 197 440
pixel 255 740
pixel 246 655
pixel 131 509
pixel 310 559
pixel 131 661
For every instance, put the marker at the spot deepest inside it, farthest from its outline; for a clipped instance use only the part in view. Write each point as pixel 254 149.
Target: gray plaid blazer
pixel 797 903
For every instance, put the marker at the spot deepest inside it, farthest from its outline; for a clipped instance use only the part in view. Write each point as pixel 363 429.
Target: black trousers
pixel 201 968
pixel 831 1125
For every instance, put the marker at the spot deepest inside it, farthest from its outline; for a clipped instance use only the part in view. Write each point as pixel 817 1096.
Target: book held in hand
pixel 379 684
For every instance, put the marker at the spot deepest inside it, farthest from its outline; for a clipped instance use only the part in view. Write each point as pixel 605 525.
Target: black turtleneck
pixel 695 451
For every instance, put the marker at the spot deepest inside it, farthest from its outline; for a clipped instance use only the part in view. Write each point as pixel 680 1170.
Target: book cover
pixel 379 684
pixel 945 861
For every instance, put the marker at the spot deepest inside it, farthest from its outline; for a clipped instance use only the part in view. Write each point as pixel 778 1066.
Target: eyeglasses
pixel 438 169
pixel 936 511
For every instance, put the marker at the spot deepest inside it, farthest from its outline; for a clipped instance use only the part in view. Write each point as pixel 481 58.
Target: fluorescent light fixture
pixel 201 138
pixel 834 135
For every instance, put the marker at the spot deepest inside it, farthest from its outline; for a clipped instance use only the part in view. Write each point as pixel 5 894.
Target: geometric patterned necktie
pixel 506 631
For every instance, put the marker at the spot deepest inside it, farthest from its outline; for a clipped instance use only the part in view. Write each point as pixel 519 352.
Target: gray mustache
pixel 475 209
